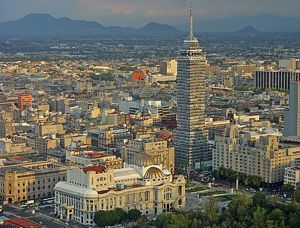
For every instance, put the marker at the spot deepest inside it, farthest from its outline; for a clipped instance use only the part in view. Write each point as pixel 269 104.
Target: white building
pixel 151 190
pixel 292 175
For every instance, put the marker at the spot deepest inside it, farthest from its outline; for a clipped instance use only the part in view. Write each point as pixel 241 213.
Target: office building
pixel 292 115
pixel 87 190
pixel 278 80
pixel 255 152
pixel 190 137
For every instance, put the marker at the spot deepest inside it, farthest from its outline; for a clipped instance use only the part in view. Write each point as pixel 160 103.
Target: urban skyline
pixel 149 127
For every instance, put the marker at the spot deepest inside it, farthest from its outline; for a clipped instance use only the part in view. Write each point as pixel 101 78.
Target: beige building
pixel 227 82
pixel 46 143
pixel 109 138
pixel 50 129
pixel 245 69
pixel 150 152
pixel 67 140
pixel 292 176
pixel 6 124
pixel 114 118
pixel 87 190
pixel 9 147
pixel 169 68
pixel 86 157
pixel 255 152
pixel 30 181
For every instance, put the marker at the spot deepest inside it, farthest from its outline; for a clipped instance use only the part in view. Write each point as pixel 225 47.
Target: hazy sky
pixel 139 12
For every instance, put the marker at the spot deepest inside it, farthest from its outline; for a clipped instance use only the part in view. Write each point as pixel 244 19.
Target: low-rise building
pixel 157 151
pixel 292 176
pixel 50 129
pixel 88 157
pixel 112 138
pixel 152 190
pixel 30 180
pixel 67 139
pixel 9 147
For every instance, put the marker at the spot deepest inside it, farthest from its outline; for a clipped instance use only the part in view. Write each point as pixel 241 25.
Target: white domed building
pixel 151 189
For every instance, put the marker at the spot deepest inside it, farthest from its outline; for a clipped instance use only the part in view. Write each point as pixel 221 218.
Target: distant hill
pixel 261 22
pixel 152 29
pixel 44 25
pixel 248 30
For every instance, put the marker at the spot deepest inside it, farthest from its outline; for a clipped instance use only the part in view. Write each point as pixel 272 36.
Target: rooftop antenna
pixel 191 35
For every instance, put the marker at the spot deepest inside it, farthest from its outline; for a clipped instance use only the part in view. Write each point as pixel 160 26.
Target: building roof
pixel 75 189
pixel 97 169
pixel 22 223
pixel 153 172
pixel 126 173
pixel 143 159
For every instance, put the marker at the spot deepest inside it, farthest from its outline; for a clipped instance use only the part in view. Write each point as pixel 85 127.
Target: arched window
pixel 168 193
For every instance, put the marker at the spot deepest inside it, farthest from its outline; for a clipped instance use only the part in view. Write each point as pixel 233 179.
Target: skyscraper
pixel 292 115
pixel 190 137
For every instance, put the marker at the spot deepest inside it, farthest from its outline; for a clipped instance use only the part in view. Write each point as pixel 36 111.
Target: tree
pixel 142 222
pixel 296 195
pixel 110 218
pixel 259 199
pixel 211 211
pixel 277 218
pixel 120 215
pixel 133 215
pixel 259 218
pixel 239 209
pixel 288 189
pixel 103 218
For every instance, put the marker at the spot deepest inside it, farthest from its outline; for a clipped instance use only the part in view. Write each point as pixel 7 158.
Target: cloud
pixel 138 12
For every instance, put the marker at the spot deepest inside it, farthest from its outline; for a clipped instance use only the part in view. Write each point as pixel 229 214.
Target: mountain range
pixel 45 25
pixel 261 22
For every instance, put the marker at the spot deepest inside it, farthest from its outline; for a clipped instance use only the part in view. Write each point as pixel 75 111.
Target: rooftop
pixel 21 222
pixel 97 169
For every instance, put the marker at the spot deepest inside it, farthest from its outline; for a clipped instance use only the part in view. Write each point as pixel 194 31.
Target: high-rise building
pixel 255 152
pixel 190 137
pixel 279 80
pixel 292 115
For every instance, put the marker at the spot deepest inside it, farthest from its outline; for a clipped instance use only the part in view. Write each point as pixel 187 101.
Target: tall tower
pixel 292 115
pixel 190 137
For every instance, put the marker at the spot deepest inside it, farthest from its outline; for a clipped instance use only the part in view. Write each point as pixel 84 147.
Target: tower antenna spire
pixel 191 35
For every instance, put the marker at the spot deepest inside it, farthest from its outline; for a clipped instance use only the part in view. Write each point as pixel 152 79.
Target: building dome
pixel 90 193
pixel 154 172
pixel 143 160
